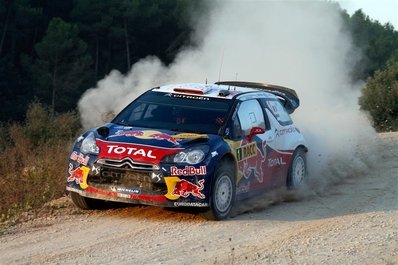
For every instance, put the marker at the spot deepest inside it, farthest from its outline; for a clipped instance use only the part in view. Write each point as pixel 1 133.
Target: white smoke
pixel 302 45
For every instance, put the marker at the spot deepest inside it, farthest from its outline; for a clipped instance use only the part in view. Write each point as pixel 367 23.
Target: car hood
pixel 143 144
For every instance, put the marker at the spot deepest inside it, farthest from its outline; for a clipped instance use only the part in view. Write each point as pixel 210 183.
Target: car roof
pixel 235 90
pixel 211 90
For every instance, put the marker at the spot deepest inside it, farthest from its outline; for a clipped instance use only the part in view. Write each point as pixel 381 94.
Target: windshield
pixel 175 112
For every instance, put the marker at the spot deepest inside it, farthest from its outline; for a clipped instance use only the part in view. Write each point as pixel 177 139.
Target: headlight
pixel 88 145
pixel 190 156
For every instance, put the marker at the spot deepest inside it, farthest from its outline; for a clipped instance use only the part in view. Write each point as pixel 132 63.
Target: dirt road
pixel 355 222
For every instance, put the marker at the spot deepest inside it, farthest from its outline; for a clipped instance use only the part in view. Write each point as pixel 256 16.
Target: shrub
pixel 380 98
pixel 33 159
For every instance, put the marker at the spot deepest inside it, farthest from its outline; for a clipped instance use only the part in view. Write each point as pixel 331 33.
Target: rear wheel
pixel 222 193
pixel 297 173
pixel 86 203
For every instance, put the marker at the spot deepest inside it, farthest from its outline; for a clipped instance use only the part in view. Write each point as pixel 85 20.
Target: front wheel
pixel 85 203
pixel 222 193
pixel 298 169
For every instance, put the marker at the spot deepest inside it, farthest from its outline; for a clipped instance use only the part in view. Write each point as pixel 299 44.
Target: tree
pixel 14 98
pixel 380 97
pixel 18 24
pixel 18 27
pixel 376 41
pixel 62 65
pixel 94 22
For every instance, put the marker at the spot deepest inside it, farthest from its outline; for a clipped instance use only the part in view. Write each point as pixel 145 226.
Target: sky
pixel 382 10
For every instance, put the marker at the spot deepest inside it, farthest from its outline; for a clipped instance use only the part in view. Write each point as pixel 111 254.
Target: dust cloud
pixel 298 44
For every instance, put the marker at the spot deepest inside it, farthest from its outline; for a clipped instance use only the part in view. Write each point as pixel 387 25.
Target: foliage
pixel 380 97
pixel 377 42
pixel 30 159
pixel 62 64
pixel 55 50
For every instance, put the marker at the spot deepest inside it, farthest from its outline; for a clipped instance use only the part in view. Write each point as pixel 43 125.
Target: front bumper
pixel 139 183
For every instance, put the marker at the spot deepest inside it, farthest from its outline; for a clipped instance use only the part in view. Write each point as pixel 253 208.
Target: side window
pixel 250 115
pixel 278 111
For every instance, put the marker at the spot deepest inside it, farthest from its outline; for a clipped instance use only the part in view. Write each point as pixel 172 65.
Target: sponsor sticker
pixel 190 97
pixel 286 131
pixel 80 158
pixel 177 188
pixel 251 160
pixel 276 162
pixel 78 175
pixel 181 136
pixel 128 133
pixel 123 195
pixel 95 170
pixel 147 134
pixel 188 171
pixel 137 152
pixel 117 149
pixel 126 190
pixel 191 204
pixel 246 151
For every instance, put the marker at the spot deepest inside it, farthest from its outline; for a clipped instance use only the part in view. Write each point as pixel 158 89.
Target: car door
pixel 251 151
pixel 280 148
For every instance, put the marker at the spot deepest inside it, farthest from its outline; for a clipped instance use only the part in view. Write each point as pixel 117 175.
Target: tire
pixel 297 174
pixel 222 193
pixel 85 203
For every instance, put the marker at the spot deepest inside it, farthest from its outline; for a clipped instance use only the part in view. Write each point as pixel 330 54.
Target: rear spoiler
pixel 287 96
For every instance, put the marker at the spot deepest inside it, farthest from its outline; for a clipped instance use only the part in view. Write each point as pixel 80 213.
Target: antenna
pixel 222 60
pixel 236 76
pixel 206 80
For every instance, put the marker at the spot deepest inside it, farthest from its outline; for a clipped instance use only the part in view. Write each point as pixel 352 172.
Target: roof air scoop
pixel 223 93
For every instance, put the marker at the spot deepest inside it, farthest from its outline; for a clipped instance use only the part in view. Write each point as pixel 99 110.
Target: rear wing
pixel 287 96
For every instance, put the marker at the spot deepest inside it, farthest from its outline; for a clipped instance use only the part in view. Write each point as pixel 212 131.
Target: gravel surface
pixel 354 222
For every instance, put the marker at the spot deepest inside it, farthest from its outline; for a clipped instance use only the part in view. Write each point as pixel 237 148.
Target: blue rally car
pixel 196 145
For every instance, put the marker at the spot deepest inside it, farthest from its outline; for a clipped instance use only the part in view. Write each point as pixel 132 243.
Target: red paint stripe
pixel 156 198
pixel 189 90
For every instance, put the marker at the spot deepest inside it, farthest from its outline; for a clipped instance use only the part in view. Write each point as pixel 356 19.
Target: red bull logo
pixel 251 160
pixel 164 136
pixel 147 134
pixel 75 175
pixel 157 135
pixel 185 188
pixel 188 171
pixel 78 175
pixel 80 158
pixel 177 188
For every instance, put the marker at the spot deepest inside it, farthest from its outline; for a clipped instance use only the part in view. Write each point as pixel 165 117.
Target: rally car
pixel 196 145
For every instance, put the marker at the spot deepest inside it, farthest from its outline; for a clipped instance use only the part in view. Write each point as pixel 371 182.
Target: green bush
pixel 380 98
pixel 33 159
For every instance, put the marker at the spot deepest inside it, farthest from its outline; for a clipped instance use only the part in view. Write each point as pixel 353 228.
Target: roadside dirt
pixel 354 222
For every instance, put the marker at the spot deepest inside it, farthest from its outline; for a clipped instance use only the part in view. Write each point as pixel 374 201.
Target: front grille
pixel 127 163
pixel 127 173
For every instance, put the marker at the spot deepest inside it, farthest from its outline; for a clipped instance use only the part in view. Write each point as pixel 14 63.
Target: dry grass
pixel 33 156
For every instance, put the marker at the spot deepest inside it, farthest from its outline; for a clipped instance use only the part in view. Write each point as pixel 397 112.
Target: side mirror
pixel 254 131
